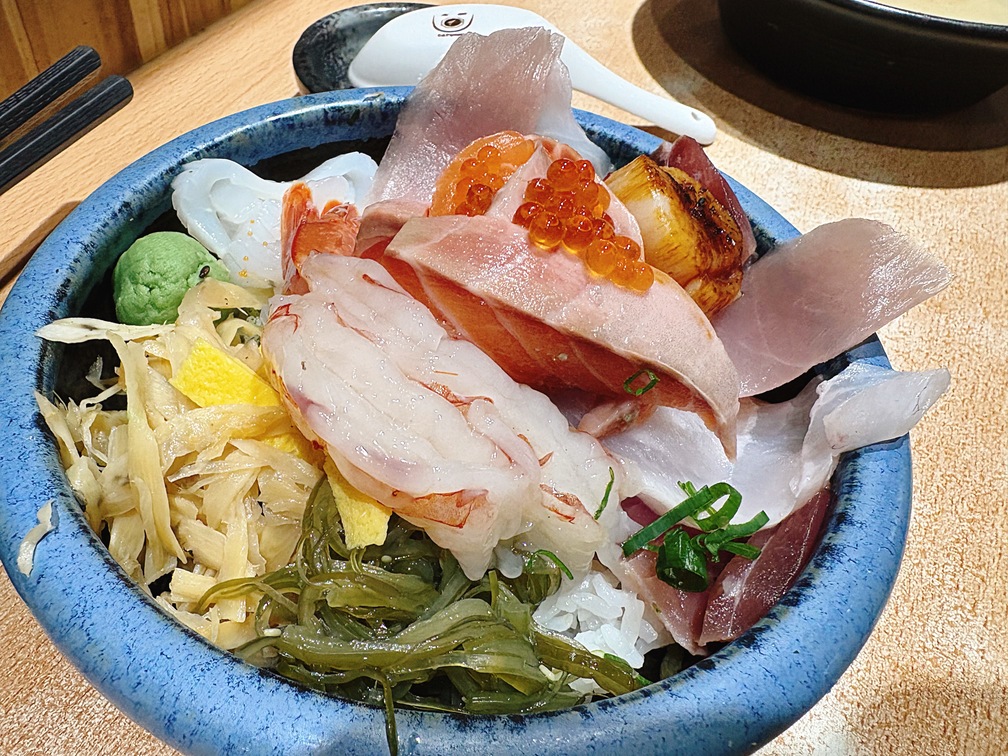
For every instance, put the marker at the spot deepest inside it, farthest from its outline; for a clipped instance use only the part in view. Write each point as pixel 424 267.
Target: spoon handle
pixel 593 78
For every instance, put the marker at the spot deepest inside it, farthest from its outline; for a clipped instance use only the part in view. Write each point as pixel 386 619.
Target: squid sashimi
pixel 549 322
pixel 818 295
pixel 463 98
pixel 236 214
pixel 429 425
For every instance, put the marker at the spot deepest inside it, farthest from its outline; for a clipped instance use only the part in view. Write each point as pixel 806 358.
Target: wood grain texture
pixel 17 64
pixel 126 33
pixel 931 679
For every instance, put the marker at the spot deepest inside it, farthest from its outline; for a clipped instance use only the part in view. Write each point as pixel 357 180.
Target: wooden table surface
pixel 932 677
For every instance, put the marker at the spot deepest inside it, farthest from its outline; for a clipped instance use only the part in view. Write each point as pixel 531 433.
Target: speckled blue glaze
pixel 202 700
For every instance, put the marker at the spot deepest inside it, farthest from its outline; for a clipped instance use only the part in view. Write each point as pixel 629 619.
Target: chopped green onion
pixel 695 503
pixel 720 518
pixel 553 558
pixel 681 564
pixel 605 497
pixel 718 540
pixel 682 561
pixel 742 549
pixel 652 382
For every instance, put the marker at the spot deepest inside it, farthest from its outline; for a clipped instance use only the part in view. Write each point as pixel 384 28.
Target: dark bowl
pixel 203 700
pixel 867 55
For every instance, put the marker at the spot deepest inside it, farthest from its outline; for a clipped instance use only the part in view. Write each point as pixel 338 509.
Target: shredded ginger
pixel 26 551
pixel 195 489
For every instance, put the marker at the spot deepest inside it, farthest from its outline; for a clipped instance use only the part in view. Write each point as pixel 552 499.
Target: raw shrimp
pixel 429 425
pixel 236 214
pixel 305 230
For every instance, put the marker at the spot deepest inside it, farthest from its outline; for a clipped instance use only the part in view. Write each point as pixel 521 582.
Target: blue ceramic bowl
pixel 202 700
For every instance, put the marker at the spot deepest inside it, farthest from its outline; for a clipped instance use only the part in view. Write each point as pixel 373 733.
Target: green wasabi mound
pixel 154 274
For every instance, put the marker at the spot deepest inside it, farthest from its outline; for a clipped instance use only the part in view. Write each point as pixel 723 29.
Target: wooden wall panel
pixel 17 64
pixel 126 33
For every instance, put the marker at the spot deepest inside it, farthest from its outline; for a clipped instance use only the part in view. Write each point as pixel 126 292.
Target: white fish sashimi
pixel 236 214
pixel 429 425
pixel 463 99
pixel 862 405
pixel 786 451
pixel 816 296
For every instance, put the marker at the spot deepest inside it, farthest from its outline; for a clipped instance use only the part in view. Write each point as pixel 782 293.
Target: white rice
pixel 601 617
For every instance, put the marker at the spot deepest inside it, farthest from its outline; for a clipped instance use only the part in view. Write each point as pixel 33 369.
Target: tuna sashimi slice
pixel 820 294
pixel 746 589
pixel 549 323
pixel 510 80
pixel 681 613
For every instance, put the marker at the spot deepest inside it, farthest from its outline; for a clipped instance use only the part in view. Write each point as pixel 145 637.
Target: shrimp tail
pixel 305 231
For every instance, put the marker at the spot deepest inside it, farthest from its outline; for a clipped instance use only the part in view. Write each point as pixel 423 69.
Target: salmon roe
pixel 567 207
pixel 481 179
pixel 633 274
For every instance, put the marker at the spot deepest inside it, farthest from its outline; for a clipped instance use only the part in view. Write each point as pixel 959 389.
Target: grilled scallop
pixel 687 233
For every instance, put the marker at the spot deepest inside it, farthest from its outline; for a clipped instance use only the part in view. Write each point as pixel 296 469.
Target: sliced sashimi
pixel 381 221
pixel 746 589
pixel 428 425
pixel 549 322
pixel 681 613
pixel 862 405
pixel 787 451
pixel 463 98
pixel 816 296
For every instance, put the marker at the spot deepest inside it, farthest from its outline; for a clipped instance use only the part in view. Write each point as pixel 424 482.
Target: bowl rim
pixel 880 10
pixel 137 656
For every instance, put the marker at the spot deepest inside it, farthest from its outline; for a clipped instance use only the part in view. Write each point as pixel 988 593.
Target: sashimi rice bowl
pixel 447 418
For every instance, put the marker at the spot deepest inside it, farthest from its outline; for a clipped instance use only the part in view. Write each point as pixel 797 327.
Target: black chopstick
pixel 47 92
pixel 62 129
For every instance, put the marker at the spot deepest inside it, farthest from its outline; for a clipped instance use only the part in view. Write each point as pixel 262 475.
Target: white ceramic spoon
pixel 409 46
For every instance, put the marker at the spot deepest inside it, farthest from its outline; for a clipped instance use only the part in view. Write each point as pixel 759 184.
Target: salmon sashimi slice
pixel 492 158
pixel 550 323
